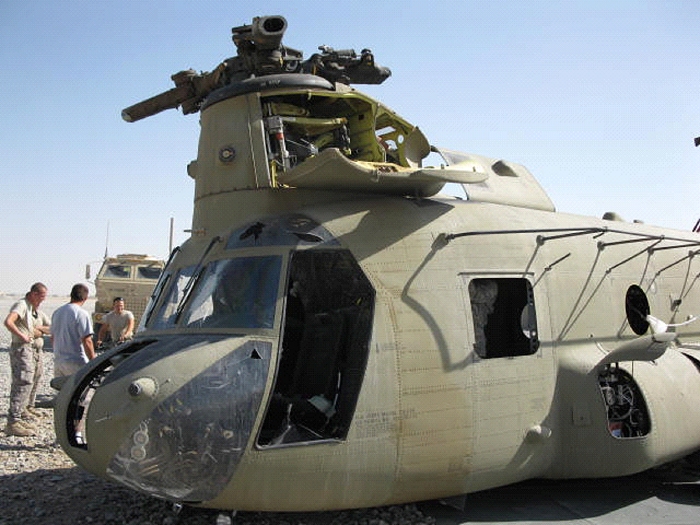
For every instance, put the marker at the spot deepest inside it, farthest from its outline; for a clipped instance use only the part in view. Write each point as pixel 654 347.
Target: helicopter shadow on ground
pixel 68 495
pixel 15 448
pixel 668 494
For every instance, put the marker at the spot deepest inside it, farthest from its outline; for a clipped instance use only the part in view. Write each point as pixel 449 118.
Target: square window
pixel 503 313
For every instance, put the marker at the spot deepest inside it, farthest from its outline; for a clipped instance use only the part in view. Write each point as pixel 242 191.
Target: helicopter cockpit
pixel 292 265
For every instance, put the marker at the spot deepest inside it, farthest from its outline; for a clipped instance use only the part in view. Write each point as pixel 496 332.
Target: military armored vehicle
pixel 130 276
pixel 337 333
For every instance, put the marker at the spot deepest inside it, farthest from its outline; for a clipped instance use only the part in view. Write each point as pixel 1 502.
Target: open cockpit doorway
pixel 325 344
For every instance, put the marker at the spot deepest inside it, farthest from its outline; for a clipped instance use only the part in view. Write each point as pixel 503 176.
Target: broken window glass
pixel 503 313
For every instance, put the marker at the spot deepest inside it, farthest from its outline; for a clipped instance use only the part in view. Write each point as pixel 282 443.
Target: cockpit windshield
pixel 236 293
pixel 229 293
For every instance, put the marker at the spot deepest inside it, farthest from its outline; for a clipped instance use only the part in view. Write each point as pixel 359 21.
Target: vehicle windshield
pixel 149 272
pixel 118 271
pixel 229 293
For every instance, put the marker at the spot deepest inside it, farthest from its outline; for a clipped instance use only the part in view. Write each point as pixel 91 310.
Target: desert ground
pixel 39 484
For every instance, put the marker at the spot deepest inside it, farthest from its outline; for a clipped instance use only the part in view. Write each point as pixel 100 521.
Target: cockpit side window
pixel 167 313
pixel 503 313
pixel 325 344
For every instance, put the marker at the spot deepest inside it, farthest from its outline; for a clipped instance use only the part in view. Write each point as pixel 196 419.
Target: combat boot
pixel 27 424
pixel 27 415
pixel 33 412
pixel 16 428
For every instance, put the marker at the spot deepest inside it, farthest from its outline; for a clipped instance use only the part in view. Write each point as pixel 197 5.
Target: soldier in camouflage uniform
pixel 28 325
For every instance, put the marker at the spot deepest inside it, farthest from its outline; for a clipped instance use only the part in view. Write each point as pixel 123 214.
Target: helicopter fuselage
pixel 338 334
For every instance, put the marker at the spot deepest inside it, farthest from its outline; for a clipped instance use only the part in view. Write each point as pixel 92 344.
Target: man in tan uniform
pixel 28 325
pixel 119 322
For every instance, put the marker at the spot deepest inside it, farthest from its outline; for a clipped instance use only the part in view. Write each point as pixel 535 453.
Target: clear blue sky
pixel 599 99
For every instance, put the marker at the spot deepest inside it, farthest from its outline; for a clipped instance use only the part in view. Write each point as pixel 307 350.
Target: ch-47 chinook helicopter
pixel 336 333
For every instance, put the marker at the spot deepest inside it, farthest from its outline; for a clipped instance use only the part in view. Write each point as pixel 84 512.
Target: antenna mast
pixel 107 242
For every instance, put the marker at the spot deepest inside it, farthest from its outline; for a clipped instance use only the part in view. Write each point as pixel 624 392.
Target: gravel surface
pixel 40 484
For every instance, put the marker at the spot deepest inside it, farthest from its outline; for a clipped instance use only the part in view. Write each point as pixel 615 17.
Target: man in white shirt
pixel 71 331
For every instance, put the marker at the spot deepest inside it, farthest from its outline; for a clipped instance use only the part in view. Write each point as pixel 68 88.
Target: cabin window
pixel 503 314
pixel 329 305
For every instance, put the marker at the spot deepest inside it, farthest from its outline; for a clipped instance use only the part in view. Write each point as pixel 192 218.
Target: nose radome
pixel 189 445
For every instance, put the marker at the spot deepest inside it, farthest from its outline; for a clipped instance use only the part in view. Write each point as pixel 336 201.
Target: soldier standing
pixel 28 325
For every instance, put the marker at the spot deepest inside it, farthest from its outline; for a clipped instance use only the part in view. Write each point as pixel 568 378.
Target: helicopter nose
pixel 188 447
pixel 172 429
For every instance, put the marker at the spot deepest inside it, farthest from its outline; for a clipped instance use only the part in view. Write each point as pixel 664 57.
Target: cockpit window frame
pixel 174 282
